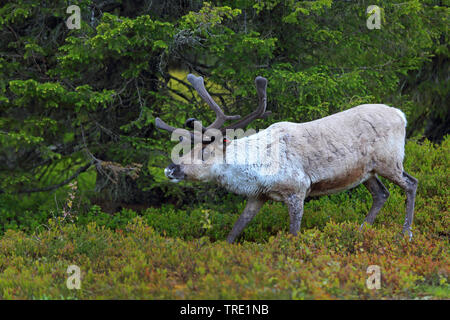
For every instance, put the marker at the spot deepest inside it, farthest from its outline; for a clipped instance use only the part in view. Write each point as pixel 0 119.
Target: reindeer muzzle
pixel 174 173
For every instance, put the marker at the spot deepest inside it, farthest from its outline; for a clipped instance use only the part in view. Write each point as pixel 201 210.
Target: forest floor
pixel 167 253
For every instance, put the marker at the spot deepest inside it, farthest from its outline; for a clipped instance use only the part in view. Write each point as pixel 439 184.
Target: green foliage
pixel 168 253
pixel 98 89
pixel 79 105
pixel 426 161
pixel 138 263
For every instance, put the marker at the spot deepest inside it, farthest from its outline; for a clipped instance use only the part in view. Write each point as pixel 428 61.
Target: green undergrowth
pixel 427 162
pixel 181 253
pixel 137 262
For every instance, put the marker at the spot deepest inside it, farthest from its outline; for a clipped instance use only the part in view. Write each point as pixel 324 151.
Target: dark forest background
pixel 78 106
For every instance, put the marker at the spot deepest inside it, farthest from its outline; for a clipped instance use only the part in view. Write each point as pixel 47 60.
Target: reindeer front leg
pixel 252 208
pixel 295 206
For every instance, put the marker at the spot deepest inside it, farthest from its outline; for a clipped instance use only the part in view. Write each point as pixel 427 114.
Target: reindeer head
pixel 209 142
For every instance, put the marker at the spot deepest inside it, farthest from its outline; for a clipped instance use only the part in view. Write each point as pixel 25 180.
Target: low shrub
pixel 180 253
pixel 137 262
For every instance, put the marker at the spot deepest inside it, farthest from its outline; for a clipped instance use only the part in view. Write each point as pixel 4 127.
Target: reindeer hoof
pixel 408 232
pixel 361 227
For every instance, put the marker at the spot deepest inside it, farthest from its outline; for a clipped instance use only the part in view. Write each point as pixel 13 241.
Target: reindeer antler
pixel 260 112
pixel 164 126
pixel 199 86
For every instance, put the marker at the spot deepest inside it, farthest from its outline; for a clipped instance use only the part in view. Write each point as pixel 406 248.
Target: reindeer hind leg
pixel 409 184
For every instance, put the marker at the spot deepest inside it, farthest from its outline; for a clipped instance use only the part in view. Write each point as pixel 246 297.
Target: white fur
pixel 324 156
pixel 353 143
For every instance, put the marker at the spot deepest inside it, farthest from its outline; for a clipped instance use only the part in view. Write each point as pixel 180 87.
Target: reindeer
pixel 320 157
